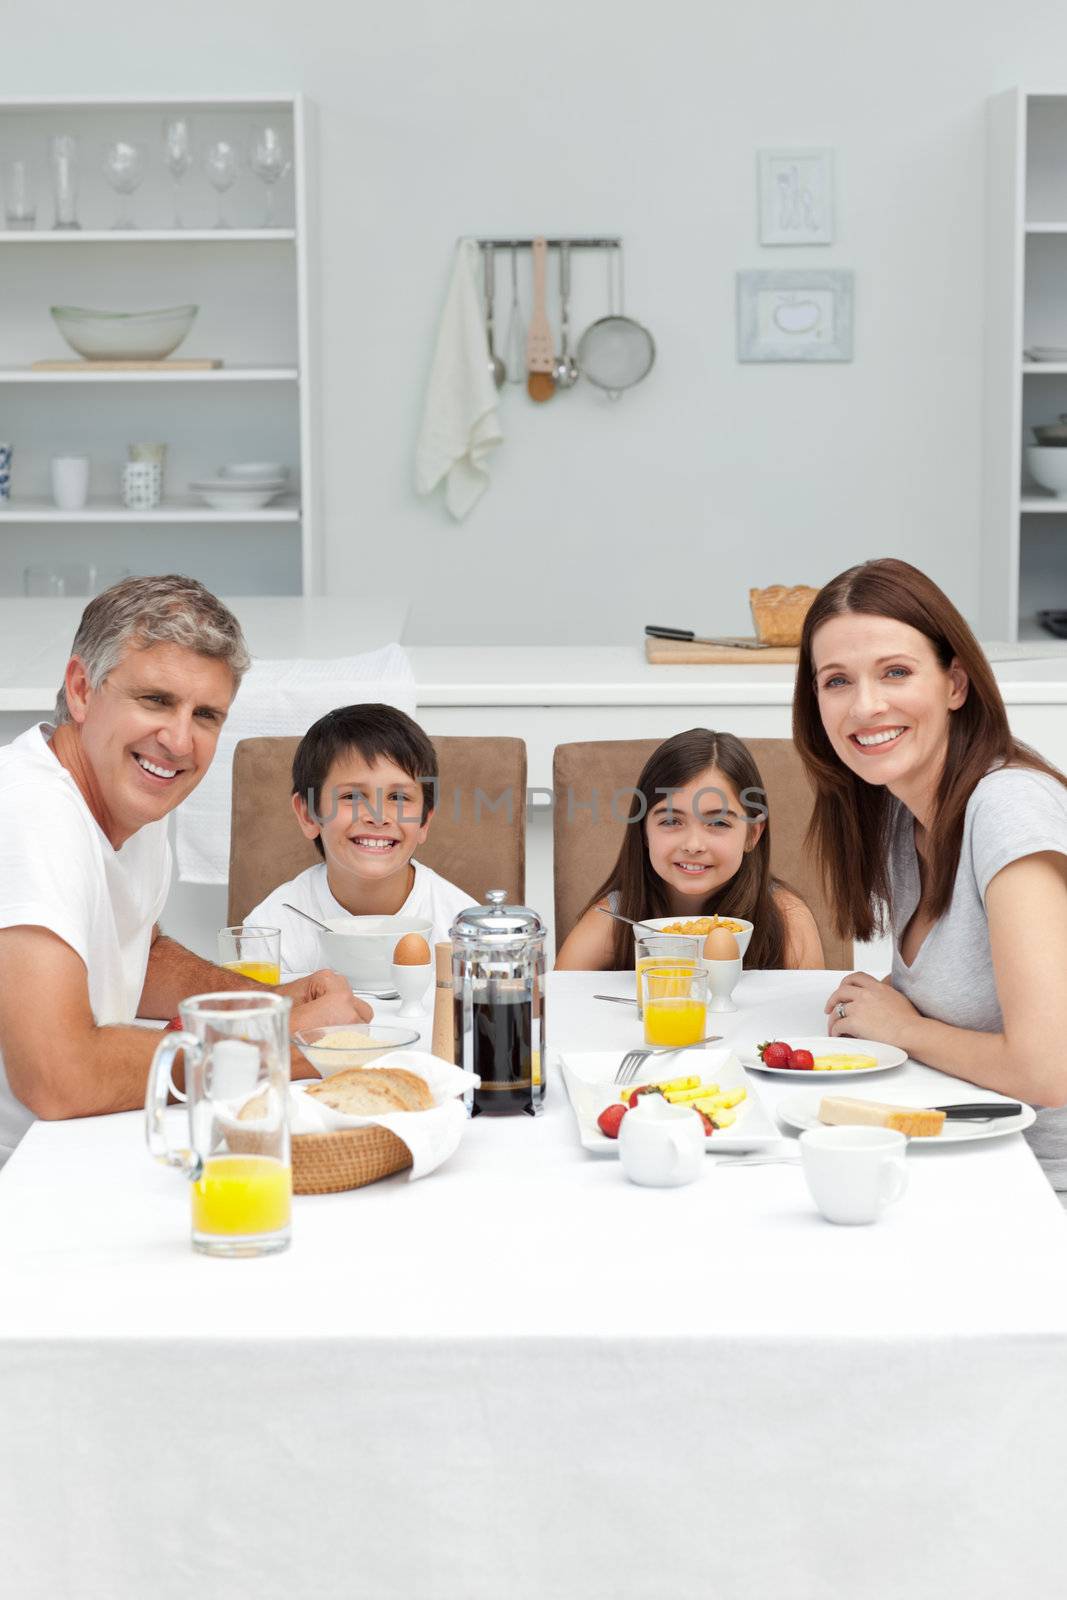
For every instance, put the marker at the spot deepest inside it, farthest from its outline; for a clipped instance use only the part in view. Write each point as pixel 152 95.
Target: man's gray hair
pixel 140 612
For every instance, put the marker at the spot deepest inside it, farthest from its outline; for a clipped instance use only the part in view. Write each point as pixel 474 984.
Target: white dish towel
pixel 460 425
pixel 279 697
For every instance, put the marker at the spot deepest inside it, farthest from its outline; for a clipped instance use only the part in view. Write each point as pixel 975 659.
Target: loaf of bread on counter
pixel 841 1110
pixel 779 612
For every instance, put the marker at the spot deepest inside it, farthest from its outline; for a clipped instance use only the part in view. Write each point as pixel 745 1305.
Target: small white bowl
pixel 362 947
pixel 318 1045
pixel 239 470
pixel 249 494
pixel 1048 465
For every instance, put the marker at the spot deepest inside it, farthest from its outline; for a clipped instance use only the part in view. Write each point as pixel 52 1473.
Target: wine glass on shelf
pixel 177 156
pixel 221 166
pixel 124 170
pixel 270 162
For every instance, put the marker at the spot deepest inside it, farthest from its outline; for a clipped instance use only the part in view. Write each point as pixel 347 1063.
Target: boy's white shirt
pixel 432 897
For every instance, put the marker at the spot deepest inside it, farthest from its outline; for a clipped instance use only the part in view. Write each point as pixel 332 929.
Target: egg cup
pixel 723 978
pixel 411 983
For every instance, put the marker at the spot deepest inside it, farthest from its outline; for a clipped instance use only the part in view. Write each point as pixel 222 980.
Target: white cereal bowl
pixel 248 494
pixel 743 938
pixel 1048 465
pixel 240 470
pixel 361 948
pixel 124 335
pixel 351 1044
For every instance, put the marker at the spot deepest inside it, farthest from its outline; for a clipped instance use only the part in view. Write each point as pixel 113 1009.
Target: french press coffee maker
pixel 498 978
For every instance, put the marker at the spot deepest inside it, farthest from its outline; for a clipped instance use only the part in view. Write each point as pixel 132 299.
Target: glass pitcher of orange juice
pixel 236 1053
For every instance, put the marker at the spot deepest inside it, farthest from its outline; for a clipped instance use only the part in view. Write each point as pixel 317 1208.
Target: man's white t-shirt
pixel 431 897
pixel 59 871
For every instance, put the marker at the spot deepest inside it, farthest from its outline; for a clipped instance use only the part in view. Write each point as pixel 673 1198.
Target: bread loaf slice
pixel 370 1091
pixel 779 612
pixel 842 1110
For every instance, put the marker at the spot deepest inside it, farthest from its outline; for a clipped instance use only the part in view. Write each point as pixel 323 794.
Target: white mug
pixel 661 1145
pixel 70 481
pixel 854 1173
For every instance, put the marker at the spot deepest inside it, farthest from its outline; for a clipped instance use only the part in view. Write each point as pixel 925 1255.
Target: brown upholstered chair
pixel 586 847
pixel 473 846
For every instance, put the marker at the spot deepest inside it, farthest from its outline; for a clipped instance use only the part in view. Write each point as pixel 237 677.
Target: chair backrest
pixel 472 845
pixel 587 835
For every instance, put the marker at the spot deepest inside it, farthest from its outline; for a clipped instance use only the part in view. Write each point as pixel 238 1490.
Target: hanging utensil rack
pixel 553 244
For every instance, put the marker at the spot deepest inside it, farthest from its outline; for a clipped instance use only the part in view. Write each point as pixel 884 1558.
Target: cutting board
pixel 205 364
pixel 684 653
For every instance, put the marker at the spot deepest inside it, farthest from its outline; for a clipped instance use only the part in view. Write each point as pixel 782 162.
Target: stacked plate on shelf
pixel 243 485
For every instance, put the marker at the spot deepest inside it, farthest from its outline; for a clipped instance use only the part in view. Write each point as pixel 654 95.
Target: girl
pixel 926 804
pixel 691 849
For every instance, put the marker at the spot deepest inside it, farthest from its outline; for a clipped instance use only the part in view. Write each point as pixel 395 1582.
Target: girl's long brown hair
pixel 851 818
pixel 748 894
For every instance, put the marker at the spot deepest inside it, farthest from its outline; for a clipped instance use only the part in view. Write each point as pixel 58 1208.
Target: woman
pixel 926 804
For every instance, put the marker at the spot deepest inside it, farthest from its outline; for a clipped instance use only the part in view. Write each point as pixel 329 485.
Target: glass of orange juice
pixel 653 949
pixel 235 1051
pixel 674 1002
pixel 254 952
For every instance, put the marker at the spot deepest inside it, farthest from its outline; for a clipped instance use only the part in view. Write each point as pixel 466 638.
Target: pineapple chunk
pixel 681 1097
pixel 723 1118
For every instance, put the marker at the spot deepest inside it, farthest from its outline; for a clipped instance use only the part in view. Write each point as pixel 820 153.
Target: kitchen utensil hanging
pixel 615 352
pixel 496 366
pixel 516 339
pixel 540 355
pixel 566 366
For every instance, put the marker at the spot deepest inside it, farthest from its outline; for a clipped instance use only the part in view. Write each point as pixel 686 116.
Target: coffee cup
pixel 70 481
pixel 853 1173
pixel 661 1145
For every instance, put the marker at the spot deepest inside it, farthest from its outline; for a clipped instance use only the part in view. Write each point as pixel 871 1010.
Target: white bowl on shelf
pixel 1048 466
pixel 239 470
pixel 124 335
pixel 238 494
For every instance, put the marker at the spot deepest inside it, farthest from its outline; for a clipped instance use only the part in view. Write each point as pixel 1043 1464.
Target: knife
pixel 980 1110
pixel 687 636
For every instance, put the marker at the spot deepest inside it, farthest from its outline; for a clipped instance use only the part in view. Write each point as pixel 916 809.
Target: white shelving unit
pixel 250 283
pixel 1024 532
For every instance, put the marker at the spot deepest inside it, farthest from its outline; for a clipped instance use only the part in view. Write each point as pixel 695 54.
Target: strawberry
pixel 610 1119
pixel 709 1126
pixel 775 1054
pixel 803 1060
pixel 646 1088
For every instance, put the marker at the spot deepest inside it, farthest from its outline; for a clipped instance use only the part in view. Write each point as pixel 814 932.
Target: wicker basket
pixel 326 1163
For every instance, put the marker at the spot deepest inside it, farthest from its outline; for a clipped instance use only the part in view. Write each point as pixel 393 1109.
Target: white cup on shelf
pixel 854 1173
pixel 70 481
pixel 142 485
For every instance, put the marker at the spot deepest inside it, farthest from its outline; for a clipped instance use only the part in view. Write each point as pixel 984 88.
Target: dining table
pixel 523 1377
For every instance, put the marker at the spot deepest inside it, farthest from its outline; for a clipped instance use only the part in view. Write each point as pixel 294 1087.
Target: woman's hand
pixel 873 1010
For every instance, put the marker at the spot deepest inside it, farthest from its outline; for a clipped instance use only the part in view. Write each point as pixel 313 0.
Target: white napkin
pixel 431 1136
pixel 279 697
pixel 459 424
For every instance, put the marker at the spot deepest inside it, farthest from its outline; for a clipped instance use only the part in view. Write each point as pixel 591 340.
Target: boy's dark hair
pixel 375 731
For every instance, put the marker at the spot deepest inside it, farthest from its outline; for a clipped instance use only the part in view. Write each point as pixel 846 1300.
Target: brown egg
pixel 411 951
pixel 720 945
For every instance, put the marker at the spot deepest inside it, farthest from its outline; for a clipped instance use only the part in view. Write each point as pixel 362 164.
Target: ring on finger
pixel 841 1010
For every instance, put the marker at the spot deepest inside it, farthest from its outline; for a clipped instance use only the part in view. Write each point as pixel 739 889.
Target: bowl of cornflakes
pixel 702 926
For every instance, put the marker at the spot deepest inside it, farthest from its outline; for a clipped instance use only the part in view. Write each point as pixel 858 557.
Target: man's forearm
pixel 174 973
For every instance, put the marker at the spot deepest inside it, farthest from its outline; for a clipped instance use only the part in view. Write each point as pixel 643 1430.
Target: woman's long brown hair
pixel 748 894
pixel 851 818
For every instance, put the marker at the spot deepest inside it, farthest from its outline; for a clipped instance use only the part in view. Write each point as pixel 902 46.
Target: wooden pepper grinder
pixel 444 1036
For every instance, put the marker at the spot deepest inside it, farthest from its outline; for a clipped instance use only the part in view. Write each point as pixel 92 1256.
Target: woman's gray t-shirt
pixel 1012 812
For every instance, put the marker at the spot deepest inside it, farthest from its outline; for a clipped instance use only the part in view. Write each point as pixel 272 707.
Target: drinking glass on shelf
pixel 20 196
pixel 63 160
pixel 269 162
pixel 124 170
pixel 221 166
pixel 177 156
pixel 253 952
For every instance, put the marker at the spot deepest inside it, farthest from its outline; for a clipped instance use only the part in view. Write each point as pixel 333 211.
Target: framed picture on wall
pixel 796 196
pixel 794 316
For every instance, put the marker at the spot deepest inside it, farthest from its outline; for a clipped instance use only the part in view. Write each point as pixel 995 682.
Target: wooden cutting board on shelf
pixel 204 364
pixel 684 653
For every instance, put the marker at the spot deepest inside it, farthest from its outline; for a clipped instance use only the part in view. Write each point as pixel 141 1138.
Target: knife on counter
pixel 687 636
pixel 980 1110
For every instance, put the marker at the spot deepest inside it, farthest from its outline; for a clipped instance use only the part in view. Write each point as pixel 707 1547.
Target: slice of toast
pixel 369 1091
pixel 917 1123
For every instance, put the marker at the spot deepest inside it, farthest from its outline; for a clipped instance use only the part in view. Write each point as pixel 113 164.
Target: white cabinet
pixel 1024 534
pixel 250 282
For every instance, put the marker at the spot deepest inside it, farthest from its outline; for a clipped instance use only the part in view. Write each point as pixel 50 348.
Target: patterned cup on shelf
pixel 148 452
pixel 6 452
pixel 142 485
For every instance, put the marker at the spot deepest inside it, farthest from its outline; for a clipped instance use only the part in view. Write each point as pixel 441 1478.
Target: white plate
pixel 1045 352
pixel 589 1076
pixel 887 1056
pixel 801 1111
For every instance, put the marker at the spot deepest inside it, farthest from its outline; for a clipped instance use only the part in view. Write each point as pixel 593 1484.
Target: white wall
pixel 430 120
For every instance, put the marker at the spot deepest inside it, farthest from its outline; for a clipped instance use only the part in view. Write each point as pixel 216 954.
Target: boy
pixel 363 790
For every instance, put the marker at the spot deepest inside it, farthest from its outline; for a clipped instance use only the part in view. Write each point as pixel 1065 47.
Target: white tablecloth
pixel 523 1377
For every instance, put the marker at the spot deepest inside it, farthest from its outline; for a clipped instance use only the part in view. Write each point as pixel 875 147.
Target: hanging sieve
pixel 615 352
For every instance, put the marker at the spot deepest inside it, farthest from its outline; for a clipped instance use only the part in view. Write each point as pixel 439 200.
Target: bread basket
pixel 327 1163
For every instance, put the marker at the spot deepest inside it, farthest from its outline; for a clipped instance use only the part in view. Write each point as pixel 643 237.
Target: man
pixel 85 861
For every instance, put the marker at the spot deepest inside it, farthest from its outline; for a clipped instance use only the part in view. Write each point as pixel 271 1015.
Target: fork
pixel 634 1059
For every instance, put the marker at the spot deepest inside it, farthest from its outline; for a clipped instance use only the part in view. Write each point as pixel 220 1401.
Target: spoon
pixel 619 918
pixel 516 340
pixel 619 999
pixel 496 366
pixel 566 370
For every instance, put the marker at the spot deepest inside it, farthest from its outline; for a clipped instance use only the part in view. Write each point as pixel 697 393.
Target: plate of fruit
pixel 712 1082
pixel 822 1057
